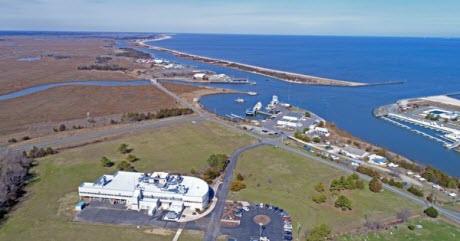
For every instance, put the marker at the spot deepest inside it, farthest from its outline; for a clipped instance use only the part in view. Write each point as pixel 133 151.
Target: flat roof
pixel 355 151
pixel 128 182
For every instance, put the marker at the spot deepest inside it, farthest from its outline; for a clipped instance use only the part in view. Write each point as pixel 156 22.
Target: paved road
pixel 86 136
pixel 213 229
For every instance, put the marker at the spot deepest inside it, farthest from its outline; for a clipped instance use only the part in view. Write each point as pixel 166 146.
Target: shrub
pixel 12 140
pixel 62 127
pixel 239 177
pixel 319 187
pixel 125 166
pixel 321 198
pixel 131 158
pixel 411 226
pixel 375 185
pixel 236 186
pixel 319 233
pixel 368 171
pixel 25 138
pixel 123 148
pixel 417 192
pixel 316 139
pixel 431 212
pixel 193 171
pixel 105 162
pixel 360 184
pixel 343 202
pixel 307 114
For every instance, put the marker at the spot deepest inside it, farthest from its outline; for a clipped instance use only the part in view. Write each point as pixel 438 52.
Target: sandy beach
pixel 444 99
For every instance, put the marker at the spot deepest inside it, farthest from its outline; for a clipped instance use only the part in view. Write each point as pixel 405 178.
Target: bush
pixel 12 140
pixel 123 148
pixel 125 166
pixel 431 212
pixel 40 152
pixel 193 171
pixel 239 177
pixel 360 184
pixel 25 138
pixel 368 171
pixel 62 127
pixel 375 185
pixel 131 158
pixel 307 114
pixel 319 233
pixel 395 183
pixel 319 198
pixel 316 139
pixel 105 162
pixel 411 226
pixel 417 192
pixel 236 186
pixel 343 202
pixel 319 187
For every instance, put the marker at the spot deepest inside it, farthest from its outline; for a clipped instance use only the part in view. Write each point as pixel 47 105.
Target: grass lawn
pixel 47 213
pixel 433 229
pixel 287 180
pixel 191 235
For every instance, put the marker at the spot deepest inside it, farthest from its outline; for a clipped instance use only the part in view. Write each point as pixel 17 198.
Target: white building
pixel 377 160
pixel 284 124
pixel 199 76
pixel 354 152
pixel 319 130
pixel 147 191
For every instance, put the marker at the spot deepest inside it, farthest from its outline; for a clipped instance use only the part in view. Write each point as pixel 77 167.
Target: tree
pixel 354 176
pixel 316 139
pixel 375 185
pixel 12 140
pixel 417 192
pixel 239 177
pixel 123 148
pixel 360 184
pixel 319 233
pixel 106 162
pixel 321 124
pixel 125 166
pixel 343 202
pixel 307 114
pixel 131 158
pixel 431 212
pixel 319 187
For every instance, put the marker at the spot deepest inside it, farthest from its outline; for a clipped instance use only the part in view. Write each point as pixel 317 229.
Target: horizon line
pixel 213 33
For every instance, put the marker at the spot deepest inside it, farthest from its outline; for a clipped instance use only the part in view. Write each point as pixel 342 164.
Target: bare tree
pixel 14 172
pixel 403 215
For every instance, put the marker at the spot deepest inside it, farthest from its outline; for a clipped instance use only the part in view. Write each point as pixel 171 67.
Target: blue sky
pixel 305 17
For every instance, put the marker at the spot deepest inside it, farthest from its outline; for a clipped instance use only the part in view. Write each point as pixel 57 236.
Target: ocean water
pixel 429 66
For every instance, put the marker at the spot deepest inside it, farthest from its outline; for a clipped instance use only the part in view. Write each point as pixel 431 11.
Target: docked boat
pixel 239 100
pixel 254 110
pixel 273 103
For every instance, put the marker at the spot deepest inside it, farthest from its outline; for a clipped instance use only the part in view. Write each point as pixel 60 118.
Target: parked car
pixel 275 208
pixel 261 205
pixel 246 208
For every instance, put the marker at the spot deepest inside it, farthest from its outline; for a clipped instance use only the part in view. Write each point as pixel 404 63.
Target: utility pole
pixel 260 229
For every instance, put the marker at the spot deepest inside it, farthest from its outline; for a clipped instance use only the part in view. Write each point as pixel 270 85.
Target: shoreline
pixel 277 74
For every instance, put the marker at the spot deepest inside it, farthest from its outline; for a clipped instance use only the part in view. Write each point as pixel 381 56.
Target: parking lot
pixel 104 212
pixel 249 228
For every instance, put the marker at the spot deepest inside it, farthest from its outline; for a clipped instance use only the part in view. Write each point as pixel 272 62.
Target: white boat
pixel 258 106
pixel 239 100
pixel 252 93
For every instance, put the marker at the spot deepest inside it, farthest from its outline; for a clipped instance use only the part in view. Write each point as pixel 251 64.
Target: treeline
pixel 163 113
pixel 439 177
pixel 132 53
pixel 217 164
pixel 14 173
pixel 107 67
pixel 368 171
pixel 39 152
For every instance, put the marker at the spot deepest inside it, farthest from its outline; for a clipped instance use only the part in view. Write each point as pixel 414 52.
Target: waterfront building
pixel 148 191
pixel 377 160
pixel 354 152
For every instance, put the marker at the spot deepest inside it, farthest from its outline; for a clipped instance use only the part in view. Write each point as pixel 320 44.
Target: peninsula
pixel 281 75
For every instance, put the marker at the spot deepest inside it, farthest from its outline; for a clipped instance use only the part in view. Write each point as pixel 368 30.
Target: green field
pixel 190 235
pixel 432 230
pixel 293 178
pixel 47 212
